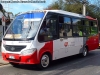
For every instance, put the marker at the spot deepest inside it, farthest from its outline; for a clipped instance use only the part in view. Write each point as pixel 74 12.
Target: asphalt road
pixel 74 65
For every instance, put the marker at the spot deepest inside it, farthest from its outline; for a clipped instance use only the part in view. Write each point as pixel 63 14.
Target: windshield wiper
pixel 12 34
pixel 29 29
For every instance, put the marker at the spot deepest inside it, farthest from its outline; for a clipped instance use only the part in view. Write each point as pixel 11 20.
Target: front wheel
pixel 44 61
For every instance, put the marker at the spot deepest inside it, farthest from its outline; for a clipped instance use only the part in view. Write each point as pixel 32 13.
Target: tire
pixel 14 64
pixel 84 52
pixel 44 61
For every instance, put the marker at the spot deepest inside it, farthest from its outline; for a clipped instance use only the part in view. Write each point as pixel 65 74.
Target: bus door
pixel 62 41
pixel 49 35
pixel 59 43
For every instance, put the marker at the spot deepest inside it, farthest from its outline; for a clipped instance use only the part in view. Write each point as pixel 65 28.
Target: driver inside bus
pixel 44 28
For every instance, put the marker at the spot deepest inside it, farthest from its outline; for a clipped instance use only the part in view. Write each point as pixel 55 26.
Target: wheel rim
pixel 85 52
pixel 45 61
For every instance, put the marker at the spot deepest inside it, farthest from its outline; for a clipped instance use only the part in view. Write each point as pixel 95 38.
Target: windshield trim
pixel 30 38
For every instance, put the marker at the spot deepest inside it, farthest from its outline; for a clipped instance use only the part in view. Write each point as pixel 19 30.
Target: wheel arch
pixel 45 52
pixel 86 46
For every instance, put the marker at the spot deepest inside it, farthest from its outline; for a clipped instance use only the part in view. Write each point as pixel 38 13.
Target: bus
pixel 41 36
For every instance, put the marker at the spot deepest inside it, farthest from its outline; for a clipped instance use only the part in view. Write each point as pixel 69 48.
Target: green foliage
pixel 76 6
pixel 56 5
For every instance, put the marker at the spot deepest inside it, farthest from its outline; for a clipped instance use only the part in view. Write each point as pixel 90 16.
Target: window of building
pixel 7 22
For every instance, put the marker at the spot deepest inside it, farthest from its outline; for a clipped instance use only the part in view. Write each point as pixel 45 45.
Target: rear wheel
pixel 44 61
pixel 85 52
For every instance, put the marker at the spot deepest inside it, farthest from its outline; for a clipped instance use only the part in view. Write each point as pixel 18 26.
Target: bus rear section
pixel 38 37
pixel 93 38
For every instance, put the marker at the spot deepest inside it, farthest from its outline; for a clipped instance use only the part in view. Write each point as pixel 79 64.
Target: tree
pixel 76 6
pixel 56 5
pixel 3 11
pixel 68 5
pixel 7 18
pixel 96 10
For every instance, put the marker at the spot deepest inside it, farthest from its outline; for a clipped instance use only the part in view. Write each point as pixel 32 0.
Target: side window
pixel 76 31
pixel 64 27
pixel 94 28
pixel 87 23
pixel 48 29
pixel 86 30
pixel 67 20
pixel 77 27
pixel 76 21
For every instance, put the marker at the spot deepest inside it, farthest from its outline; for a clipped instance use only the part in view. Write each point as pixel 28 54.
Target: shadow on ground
pixel 65 62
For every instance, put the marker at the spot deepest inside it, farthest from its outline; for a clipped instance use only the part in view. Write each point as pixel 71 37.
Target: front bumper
pixel 29 59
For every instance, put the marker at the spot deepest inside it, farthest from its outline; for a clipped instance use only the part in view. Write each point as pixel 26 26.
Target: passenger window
pixel 77 27
pixel 67 20
pixel 86 31
pixel 77 31
pixel 64 27
pixel 76 21
pixel 87 23
pixel 94 29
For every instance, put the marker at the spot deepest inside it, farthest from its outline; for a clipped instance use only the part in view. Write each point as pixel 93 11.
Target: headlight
pixel 28 51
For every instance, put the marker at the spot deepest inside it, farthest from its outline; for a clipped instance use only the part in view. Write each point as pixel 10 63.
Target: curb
pixel 1 64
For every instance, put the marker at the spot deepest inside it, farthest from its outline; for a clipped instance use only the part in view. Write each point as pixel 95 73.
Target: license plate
pixel 11 57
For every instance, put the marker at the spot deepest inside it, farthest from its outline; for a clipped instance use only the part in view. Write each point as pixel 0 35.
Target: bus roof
pixel 90 18
pixel 61 12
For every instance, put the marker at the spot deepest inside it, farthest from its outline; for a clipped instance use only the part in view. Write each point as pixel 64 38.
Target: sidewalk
pixel 2 62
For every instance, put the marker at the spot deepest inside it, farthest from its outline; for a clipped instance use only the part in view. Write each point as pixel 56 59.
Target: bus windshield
pixel 24 26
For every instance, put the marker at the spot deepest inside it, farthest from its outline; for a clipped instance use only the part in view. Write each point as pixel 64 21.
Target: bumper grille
pixel 14 60
pixel 14 48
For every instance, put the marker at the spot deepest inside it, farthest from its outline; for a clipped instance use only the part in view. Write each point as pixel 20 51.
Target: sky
pixel 23 7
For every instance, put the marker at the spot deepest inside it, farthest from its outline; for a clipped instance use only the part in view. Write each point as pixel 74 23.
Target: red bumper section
pixel 16 58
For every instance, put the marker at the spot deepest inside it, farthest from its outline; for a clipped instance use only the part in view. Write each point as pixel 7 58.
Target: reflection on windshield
pixel 23 27
pixel 30 30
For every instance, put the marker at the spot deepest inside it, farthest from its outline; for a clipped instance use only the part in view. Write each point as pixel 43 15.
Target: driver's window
pixel 48 30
